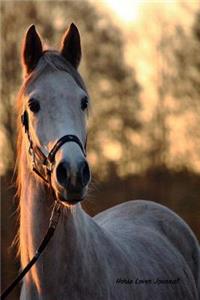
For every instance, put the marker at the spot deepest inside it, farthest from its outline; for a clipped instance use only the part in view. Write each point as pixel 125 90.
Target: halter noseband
pixel 42 164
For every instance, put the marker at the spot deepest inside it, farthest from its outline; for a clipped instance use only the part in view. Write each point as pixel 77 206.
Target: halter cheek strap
pixel 42 164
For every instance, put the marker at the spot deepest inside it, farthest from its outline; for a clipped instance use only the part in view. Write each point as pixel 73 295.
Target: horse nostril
pixel 62 173
pixel 84 173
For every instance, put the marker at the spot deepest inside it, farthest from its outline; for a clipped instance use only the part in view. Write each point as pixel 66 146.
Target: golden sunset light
pixel 100 106
pixel 126 10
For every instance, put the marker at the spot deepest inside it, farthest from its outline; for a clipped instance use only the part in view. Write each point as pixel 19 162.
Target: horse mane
pixel 55 61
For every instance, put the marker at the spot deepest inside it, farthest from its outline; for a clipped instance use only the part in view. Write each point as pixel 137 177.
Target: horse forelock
pixel 55 61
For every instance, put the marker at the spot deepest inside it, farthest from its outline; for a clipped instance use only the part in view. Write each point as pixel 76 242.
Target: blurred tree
pixel 186 88
pixel 161 41
pixel 112 85
pixel 172 130
pixel 158 130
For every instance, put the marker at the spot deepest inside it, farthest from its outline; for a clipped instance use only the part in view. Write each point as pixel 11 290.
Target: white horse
pixel 138 250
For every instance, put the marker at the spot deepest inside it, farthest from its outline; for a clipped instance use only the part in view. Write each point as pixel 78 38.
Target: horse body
pixel 135 251
pixel 159 245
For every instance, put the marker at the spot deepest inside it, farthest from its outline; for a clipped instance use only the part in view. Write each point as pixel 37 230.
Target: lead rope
pixel 52 226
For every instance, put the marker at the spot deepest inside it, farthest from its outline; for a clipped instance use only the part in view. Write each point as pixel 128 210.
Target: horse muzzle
pixel 71 182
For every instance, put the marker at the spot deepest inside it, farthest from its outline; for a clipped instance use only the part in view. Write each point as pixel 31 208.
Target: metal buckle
pixel 48 167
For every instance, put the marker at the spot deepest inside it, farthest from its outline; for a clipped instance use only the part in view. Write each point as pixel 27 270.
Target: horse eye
pixel 34 105
pixel 84 103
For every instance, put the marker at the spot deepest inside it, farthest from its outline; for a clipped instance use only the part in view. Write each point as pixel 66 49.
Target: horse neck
pixel 68 244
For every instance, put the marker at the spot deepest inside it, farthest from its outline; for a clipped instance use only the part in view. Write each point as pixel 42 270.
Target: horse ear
pixel 71 46
pixel 32 49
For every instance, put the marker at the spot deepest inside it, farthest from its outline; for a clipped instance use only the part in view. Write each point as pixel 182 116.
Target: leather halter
pixel 43 165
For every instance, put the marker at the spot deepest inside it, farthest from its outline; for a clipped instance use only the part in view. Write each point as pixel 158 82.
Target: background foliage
pixel 143 137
